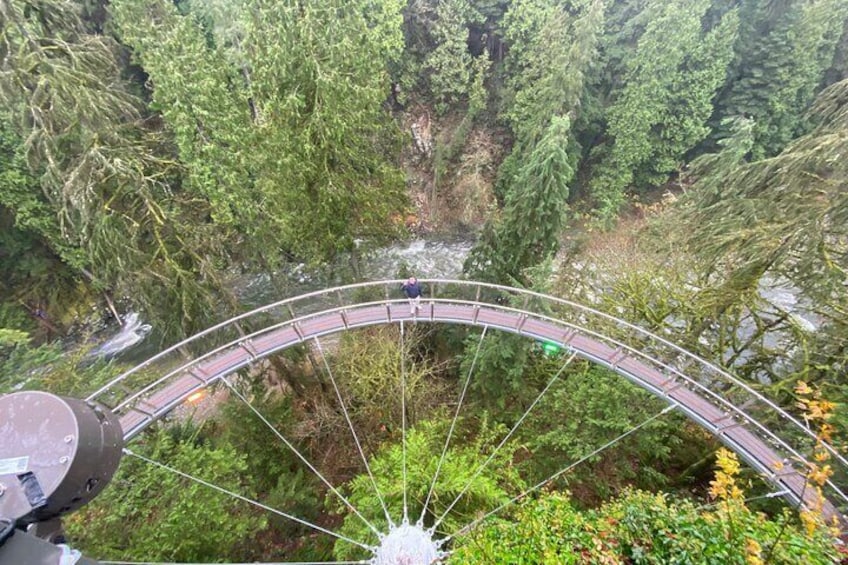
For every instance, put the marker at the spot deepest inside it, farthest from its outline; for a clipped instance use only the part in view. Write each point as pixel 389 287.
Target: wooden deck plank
pixel 322 324
pixel 272 340
pixel 366 316
pixel 495 318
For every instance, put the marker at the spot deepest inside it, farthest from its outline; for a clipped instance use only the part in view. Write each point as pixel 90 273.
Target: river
pixel 430 257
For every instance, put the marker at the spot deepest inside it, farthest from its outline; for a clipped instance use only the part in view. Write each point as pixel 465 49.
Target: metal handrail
pixel 474 285
pixel 718 400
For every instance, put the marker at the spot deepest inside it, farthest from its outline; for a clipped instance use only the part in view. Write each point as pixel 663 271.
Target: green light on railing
pixel 550 348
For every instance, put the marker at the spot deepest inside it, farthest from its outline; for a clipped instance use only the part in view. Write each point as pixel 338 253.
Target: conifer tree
pixel 278 117
pixel 449 64
pixel 781 57
pixel 665 102
pixel 104 200
pixel 550 54
pixel 534 213
pixel 788 214
pixel 785 217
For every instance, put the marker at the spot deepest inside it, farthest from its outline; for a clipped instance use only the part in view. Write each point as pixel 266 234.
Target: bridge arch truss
pixel 771 440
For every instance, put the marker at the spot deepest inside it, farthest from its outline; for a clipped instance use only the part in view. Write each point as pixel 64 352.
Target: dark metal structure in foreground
pixel 56 454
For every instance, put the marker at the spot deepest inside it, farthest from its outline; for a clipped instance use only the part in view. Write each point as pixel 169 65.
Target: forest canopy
pixel 675 163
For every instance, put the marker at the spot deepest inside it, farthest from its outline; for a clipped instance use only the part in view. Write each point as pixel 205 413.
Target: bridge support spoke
pixel 453 424
pixel 485 464
pixel 247 500
pixel 300 456
pixel 355 436
pixel 467 528
pixel 403 420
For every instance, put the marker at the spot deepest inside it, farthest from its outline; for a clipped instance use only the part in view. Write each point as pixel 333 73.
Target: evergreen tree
pixel 785 218
pixel 782 54
pixel 150 513
pixel 278 117
pixel 661 110
pixel 534 212
pixel 449 64
pixel 103 200
pixel 550 53
pixel 554 63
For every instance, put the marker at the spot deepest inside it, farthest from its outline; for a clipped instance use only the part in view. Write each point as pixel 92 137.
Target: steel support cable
pixel 485 464
pixel 708 391
pixel 356 440
pixel 300 456
pixel 830 484
pixel 654 337
pixel 237 496
pixel 570 304
pixel 559 473
pixel 170 353
pixel 453 424
pixel 221 325
pixel 403 420
pixel 774 494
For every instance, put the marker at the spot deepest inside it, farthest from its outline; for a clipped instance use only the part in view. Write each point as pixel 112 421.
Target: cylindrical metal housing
pixel 56 454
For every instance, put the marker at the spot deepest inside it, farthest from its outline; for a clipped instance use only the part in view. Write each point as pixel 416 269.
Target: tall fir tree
pixel 662 108
pixel 534 213
pixel 551 50
pixel 104 200
pixel 276 109
pixel 782 54
pixel 449 65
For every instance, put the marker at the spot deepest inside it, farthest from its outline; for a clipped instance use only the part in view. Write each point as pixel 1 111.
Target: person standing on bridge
pixel 412 290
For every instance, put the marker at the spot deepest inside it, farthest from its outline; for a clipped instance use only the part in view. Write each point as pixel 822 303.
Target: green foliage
pixel 12 338
pixel 367 367
pixel 468 450
pixel 150 513
pixel 449 65
pixel 446 153
pixel 642 528
pixel 103 201
pixel 781 56
pixel 546 531
pixel 553 51
pixel 240 429
pixel 662 109
pixel 279 121
pixel 587 407
pixel 47 367
pixel 782 218
pixel 274 473
pixel 500 377
pixel 248 160
pixel 534 213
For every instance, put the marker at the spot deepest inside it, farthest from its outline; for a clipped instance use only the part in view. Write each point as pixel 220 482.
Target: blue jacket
pixel 412 290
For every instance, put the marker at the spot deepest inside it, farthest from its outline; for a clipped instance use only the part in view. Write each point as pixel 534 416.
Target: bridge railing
pixel 739 401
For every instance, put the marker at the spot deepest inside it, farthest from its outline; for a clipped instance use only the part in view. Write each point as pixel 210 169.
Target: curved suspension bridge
pixel 778 445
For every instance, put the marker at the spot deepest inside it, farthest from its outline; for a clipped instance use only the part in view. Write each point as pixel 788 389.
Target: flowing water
pixel 431 257
pixel 132 332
